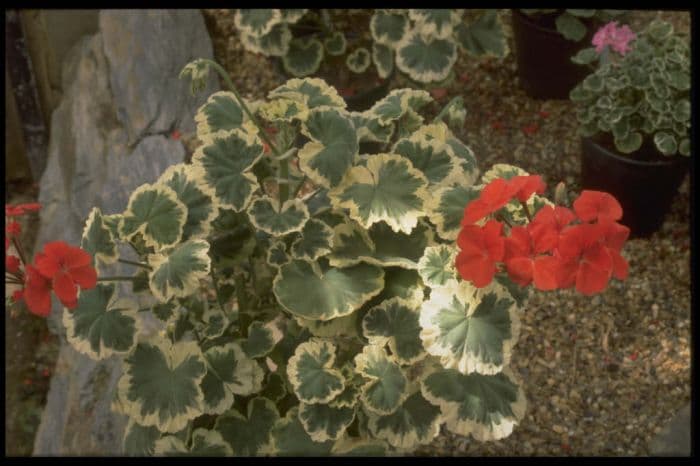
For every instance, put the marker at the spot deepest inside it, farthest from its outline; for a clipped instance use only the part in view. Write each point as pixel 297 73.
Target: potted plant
pixel 314 300
pixel 358 51
pixel 545 40
pixel 634 113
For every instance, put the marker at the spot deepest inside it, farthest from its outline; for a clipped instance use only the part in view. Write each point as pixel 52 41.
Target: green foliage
pixel 316 321
pixel 570 22
pixel 423 43
pixel 641 96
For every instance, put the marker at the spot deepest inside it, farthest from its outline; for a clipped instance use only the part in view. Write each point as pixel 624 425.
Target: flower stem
pixel 301 185
pixel 527 211
pixel 284 169
pixel 20 251
pixel 138 264
pixel 117 278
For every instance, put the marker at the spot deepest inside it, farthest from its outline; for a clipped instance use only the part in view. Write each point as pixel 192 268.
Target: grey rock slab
pixel 674 439
pixel 110 134
pixel 146 50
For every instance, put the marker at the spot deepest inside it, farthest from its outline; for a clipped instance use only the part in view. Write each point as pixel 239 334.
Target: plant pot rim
pixel 526 19
pixel 672 160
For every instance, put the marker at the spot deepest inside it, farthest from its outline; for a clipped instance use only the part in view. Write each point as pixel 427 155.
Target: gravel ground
pixel 603 375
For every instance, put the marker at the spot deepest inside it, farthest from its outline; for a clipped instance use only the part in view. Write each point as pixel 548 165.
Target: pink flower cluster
pixel 616 37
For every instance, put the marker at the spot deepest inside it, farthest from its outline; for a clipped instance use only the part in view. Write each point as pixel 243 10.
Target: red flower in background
pixel 21 209
pixel 438 93
pixel 481 249
pixel 531 129
pixel 12 264
pixel 13 228
pixel 597 205
pixel 37 292
pixel 67 267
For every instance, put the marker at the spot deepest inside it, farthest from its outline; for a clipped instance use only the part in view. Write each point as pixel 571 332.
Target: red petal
pixel 563 216
pixel 475 211
pixel 37 292
pixel 470 235
pixel 620 266
pixel 12 264
pixel 615 235
pixel 77 257
pixel 497 193
pixel 477 269
pixel 46 265
pixel 566 271
pixel 30 207
pixel 17 295
pixel 590 279
pixel 57 249
pixel 595 205
pixel 598 256
pixel 64 288
pixel 517 244
pixel 13 228
pixel 493 241
pixel 525 186
pixel 546 271
pixel 85 276
pixel 520 270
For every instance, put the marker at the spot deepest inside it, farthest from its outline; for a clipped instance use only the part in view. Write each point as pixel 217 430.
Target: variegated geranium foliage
pixel 423 43
pixel 294 294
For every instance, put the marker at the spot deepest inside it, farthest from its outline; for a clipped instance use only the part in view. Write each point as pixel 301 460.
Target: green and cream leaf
pixel 316 240
pixel 324 422
pixel 415 422
pixel 256 21
pixel 290 438
pixel 358 60
pixel 388 188
pixel 383 59
pixel 267 215
pixel 395 321
pixel 156 213
pixel 311 291
pixel 426 59
pixel 303 56
pixel 333 146
pixel 229 371
pixel 437 266
pixel 98 240
pixel 227 158
pixel 387 385
pixel 249 435
pixel 485 406
pixel 221 112
pixel 187 182
pixel 160 384
pixel 101 324
pixel 446 208
pixel 204 443
pixel 312 92
pixel 176 272
pixel 388 28
pixel 312 374
pixel 335 44
pixel 470 329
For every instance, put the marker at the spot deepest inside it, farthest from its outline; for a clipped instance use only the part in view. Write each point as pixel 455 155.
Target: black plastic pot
pixel 645 189
pixel 544 56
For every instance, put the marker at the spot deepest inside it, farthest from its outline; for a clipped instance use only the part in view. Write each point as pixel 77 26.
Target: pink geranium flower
pixel 618 38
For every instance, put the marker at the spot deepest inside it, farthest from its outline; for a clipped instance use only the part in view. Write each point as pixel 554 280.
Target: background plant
pixel 638 95
pixel 571 23
pixel 424 44
pixel 298 295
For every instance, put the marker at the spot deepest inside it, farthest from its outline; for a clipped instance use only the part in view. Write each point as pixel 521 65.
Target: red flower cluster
pixel 558 248
pixel 59 267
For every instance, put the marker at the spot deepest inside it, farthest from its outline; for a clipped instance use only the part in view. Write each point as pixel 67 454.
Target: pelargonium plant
pixel 639 88
pixel 308 296
pixel 570 22
pixel 424 44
